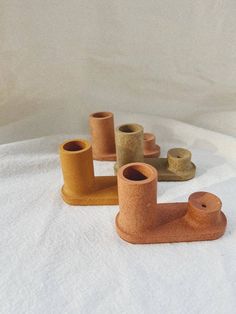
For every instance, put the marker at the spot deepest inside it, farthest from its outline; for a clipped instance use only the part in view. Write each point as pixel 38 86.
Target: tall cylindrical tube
pixel 77 168
pixel 103 136
pixel 129 144
pixel 137 191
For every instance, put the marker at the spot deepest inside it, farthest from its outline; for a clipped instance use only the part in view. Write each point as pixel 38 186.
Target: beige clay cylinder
pixel 137 191
pixel 179 159
pixel 102 135
pixel 77 167
pixel 129 144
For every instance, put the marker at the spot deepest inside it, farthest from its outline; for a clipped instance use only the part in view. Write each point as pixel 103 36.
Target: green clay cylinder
pixel 129 144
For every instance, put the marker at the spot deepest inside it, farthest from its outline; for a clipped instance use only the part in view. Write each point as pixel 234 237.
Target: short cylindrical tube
pixel 77 167
pixel 137 190
pixel 204 208
pixel 179 159
pixel 129 144
pixel 149 142
pixel 102 134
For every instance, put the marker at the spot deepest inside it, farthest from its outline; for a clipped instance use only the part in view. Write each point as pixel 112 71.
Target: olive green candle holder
pixel 129 148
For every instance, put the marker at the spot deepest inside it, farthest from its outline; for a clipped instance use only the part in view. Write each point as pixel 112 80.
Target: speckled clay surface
pixel 129 147
pixel 81 187
pixel 142 220
pixel 150 148
pixel 176 167
pixel 103 138
pixel 129 144
pixel 102 135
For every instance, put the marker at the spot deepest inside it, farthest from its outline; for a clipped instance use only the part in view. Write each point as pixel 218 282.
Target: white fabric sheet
pixel 55 258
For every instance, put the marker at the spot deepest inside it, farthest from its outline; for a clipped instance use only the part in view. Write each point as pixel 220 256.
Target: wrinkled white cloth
pixel 56 258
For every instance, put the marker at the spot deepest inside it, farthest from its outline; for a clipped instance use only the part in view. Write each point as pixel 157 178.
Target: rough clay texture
pixel 102 133
pixel 103 136
pixel 129 144
pixel 176 167
pixel 150 148
pixel 81 187
pixel 129 147
pixel 142 220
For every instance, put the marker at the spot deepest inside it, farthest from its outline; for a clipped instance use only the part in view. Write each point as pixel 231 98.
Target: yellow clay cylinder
pixel 77 167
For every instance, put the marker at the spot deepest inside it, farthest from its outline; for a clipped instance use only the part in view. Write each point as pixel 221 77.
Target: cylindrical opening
pixel 137 172
pixel 101 115
pixel 74 146
pixel 130 128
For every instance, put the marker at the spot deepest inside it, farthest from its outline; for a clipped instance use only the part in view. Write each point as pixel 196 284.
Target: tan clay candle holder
pixel 103 138
pixel 142 220
pixel 81 187
pixel 129 147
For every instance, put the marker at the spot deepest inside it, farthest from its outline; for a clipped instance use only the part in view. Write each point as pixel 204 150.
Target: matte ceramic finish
pixel 129 146
pixel 176 167
pixel 103 138
pixel 81 187
pixel 142 220
pixel 150 148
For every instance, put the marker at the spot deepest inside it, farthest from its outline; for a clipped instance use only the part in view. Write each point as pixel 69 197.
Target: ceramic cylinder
pixel 204 208
pixel 77 167
pixel 149 142
pixel 102 133
pixel 179 159
pixel 129 144
pixel 137 191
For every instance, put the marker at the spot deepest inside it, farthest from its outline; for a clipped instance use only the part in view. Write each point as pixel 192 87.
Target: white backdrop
pixel 60 60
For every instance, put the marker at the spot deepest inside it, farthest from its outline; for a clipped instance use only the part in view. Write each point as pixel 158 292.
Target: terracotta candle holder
pixel 142 220
pixel 103 138
pixel 81 187
pixel 129 147
pixel 102 134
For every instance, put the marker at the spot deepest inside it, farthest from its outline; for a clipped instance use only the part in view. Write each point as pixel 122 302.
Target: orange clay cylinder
pixel 81 187
pixel 142 220
pixel 137 186
pixel 77 167
pixel 103 137
pixel 150 148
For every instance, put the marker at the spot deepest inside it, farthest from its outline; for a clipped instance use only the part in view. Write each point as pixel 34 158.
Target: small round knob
pixel 179 159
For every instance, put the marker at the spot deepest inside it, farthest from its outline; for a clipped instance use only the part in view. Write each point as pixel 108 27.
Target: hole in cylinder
pixel 74 146
pixel 129 128
pixel 136 173
pixel 204 205
pixel 101 114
